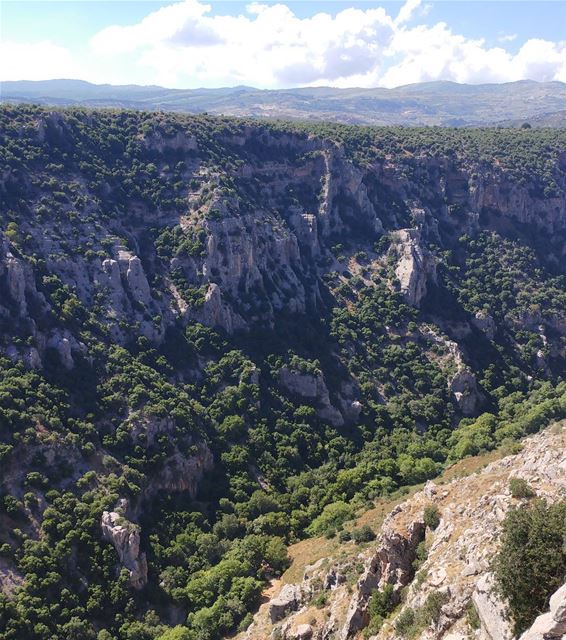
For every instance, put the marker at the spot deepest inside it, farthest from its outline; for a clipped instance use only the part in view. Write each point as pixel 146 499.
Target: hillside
pixel 219 337
pixel 444 575
pixel 431 103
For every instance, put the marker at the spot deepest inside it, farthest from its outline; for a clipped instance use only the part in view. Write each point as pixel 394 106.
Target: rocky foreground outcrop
pixel 457 568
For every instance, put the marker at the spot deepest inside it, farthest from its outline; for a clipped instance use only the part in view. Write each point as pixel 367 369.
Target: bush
pixel 430 611
pixel 431 516
pixel 332 516
pixel 520 488
pixel 421 554
pixel 364 534
pixel 405 621
pixel 380 606
pixel 344 536
pixel 531 563
pixel 472 617
pixel 320 601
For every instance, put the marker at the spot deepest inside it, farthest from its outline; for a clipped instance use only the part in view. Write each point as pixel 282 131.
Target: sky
pixel 272 45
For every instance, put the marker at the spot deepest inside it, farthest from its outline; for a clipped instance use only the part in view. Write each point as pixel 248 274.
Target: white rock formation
pixel 286 601
pixel 416 266
pixel 491 610
pixel 135 277
pixel 125 536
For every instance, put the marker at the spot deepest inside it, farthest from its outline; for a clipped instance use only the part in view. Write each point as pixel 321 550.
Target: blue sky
pixel 267 44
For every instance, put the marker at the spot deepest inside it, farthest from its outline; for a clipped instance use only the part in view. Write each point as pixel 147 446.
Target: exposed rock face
pixel 181 472
pixel 135 276
pixel 460 550
pixel 266 244
pixel 552 624
pixel 16 283
pixel 62 345
pixel 464 387
pixel 392 564
pixel 485 322
pixel 288 600
pixel 216 313
pixel 416 265
pixel 311 387
pixel 125 537
pixel 461 379
pixel 491 610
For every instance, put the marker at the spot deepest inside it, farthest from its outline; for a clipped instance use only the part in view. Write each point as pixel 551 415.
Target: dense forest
pixel 220 336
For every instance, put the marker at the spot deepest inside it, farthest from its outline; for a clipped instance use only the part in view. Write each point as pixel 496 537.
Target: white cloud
pixel 36 61
pixel 185 44
pixel 268 46
pixel 407 11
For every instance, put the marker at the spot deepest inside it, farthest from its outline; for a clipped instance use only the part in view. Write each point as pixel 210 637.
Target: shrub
pixel 431 516
pixel 320 601
pixel 405 621
pixel 364 534
pixel 430 611
pixel 380 606
pixel 531 563
pixel 344 536
pixel 520 488
pixel 332 516
pixel 421 554
pixel 472 616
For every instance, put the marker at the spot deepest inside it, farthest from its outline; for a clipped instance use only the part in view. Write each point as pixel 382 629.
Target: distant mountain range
pixel 430 103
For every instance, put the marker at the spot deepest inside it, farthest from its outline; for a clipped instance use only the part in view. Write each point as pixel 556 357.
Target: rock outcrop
pixel 286 601
pixel 492 611
pixel 391 564
pixel 125 537
pixel 415 267
pixel 311 387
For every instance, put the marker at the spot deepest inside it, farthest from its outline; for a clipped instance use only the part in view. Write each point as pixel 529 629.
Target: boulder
pixel 558 604
pixel 301 632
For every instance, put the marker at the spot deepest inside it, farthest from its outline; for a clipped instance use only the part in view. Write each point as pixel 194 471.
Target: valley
pixel 222 338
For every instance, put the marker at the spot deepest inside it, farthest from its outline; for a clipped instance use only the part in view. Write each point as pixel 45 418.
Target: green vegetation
pixel 431 516
pixel 381 604
pixel 531 563
pixel 363 534
pixel 520 488
pixel 410 622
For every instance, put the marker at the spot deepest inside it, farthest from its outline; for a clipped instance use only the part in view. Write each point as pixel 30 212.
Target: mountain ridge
pixel 443 103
